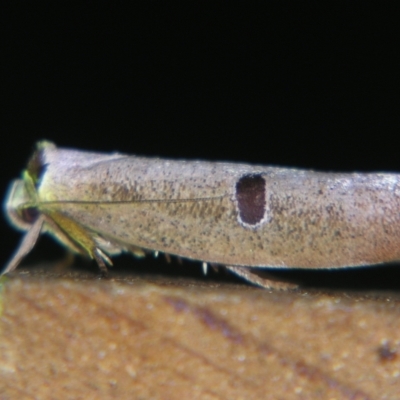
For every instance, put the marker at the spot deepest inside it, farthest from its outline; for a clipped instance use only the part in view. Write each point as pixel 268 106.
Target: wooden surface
pixel 78 337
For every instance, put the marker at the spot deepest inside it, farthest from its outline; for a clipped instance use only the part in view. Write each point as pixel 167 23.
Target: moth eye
pixel 29 215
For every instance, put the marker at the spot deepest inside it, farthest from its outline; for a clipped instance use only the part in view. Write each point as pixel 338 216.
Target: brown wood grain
pixel 80 337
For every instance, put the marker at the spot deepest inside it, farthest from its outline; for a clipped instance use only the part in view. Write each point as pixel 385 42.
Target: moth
pixel 244 217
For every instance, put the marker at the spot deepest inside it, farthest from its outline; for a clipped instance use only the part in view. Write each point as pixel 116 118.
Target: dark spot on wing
pixel 250 195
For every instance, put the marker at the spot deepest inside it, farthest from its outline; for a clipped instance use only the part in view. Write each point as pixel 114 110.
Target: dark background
pixel 304 84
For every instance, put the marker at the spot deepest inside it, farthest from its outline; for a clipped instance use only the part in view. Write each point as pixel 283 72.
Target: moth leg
pixel 245 272
pixel 26 245
pixel 101 260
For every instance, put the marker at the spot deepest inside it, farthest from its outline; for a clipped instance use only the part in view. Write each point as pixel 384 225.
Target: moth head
pixel 19 205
